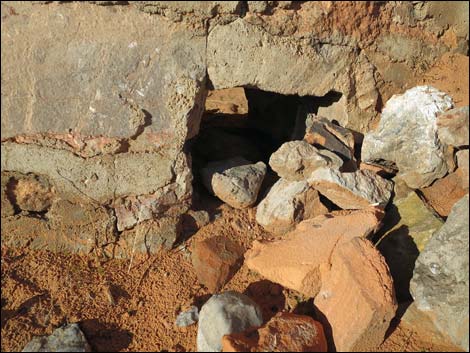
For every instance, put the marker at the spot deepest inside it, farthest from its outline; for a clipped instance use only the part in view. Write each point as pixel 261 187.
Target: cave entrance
pixel 250 123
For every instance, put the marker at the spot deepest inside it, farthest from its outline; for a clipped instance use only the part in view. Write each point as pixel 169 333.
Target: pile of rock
pixel 331 200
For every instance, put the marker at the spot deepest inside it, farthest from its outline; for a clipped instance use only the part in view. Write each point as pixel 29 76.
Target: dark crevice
pixel 271 120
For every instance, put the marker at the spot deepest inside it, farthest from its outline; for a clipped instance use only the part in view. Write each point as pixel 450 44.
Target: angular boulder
pixel 285 332
pixel 322 132
pixel 328 258
pixel 440 283
pixel 288 203
pixel 234 181
pixel 356 298
pixel 216 260
pixel 352 190
pixel 408 226
pixel 407 133
pixel 298 260
pixel 444 193
pixel 296 160
pixel 68 338
pixel 452 127
pixel 223 314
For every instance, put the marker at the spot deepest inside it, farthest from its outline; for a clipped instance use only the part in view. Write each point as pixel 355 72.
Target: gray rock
pixel 225 313
pixel 188 317
pixel 68 338
pixel 407 134
pixel 296 160
pixel 201 217
pixel 234 49
pixel 352 190
pixel 452 127
pixel 235 181
pixel 322 132
pixel 440 283
pixel 287 204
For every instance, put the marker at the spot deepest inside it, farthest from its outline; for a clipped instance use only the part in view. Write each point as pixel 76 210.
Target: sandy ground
pixel 132 306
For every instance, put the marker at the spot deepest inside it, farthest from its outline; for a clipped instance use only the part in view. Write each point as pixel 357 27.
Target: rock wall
pixel 99 101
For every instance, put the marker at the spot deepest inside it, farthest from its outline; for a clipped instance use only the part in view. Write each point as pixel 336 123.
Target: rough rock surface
pixel 452 127
pixel 463 165
pixel 223 314
pixel 298 259
pixel 227 101
pixel 216 260
pixel 296 160
pixel 285 332
pixel 148 237
pixel 407 133
pixel 234 181
pixel 452 186
pixel 33 193
pixel 322 132
pixel 352 190
pixel 288 203
pixel 440 283
pixel 188 317
pixel 69 227
pixel 408 226
pixel 68 338
pixel 328 258
pixel 358 278
pixel 8 207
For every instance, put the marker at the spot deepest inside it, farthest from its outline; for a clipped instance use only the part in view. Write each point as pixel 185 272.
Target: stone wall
pixel 99 101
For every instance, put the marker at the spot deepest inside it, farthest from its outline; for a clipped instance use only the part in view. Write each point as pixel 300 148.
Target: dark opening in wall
pixel 251 123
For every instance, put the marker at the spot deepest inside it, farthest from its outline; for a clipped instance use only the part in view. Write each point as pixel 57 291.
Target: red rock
pixel 283 333
pixel 445 192
pixel 357 299
pixel 298 259
pixel 216 260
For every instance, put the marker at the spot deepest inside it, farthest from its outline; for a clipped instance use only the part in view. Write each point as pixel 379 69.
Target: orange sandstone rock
pixel 356 299
pixel 215 261
pixel 283 333
pixel 445 192
pixel 298 260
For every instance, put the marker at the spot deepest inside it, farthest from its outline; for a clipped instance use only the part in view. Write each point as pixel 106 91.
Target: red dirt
pixel 134 310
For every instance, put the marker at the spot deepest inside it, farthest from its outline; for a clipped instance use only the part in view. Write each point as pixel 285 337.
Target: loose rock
pixel 407 133
pixel 322 132
pixel 359 279
pixel 463 164
pixel 352 190
pixel 188 317
pixel 409 225
pixel 296 160
pixel 216 260
pixel 283 333
pixel 288 203
pixel 234 181
pixel 299 259
pixel 452 127
pixel 444 193
pixel 223 314
pixel 68 338
pixel 440 283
